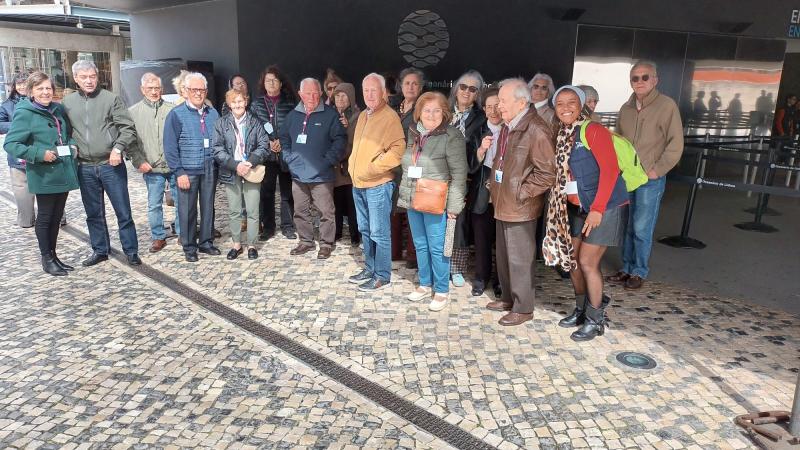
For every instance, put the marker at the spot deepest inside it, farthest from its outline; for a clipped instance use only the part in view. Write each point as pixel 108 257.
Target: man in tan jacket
pixel 650 120
pixel 524 169
pixel 378 146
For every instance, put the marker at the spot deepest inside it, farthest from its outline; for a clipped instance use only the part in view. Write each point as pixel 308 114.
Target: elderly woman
pixel 410 83
pixel 276 100
pixel 468 118
pixel 344 97
pixel 40 134
pixel 592 97
pixel 237 82
pixel 587 210
pixel 19 181
pixel 331 81
pixel 542 88
pixel 240 146
pixel 435 154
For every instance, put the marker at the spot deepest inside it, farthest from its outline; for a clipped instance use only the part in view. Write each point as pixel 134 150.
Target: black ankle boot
pixel 575 319
pixel 49 265
pixel 61 264
pixel 593 326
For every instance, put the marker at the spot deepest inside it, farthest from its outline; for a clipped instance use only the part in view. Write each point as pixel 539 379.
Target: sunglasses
pixel 635 78
pixel 540 87
pixel 464 87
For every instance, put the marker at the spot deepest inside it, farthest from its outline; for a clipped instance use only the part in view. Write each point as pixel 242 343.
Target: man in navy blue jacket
pixel 312 142
pixel 187 146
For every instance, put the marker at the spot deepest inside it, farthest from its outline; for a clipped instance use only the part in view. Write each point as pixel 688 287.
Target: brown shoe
pixel 301 249
pixel 324 253
pixel 158 245
pixel 619 277
pixel 499 306
pixel 512 318
pixel 634 282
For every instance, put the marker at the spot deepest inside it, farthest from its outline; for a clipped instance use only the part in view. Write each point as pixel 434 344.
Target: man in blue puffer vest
pixel 187 146
pixel 313 141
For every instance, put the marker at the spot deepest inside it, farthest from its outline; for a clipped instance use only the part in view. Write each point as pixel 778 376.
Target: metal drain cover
pixel 636 360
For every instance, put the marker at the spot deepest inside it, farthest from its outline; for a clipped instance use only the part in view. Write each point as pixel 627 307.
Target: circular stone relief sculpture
pixel 423 38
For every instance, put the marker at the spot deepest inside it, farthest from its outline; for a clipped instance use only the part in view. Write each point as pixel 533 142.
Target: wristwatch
pixel 117 151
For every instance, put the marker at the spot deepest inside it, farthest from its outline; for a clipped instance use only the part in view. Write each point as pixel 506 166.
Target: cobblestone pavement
pixel 108 357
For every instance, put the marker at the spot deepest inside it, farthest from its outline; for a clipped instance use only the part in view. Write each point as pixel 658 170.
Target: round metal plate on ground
pixel 636 360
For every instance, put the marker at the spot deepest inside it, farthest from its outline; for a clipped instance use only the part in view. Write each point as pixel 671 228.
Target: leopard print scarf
pixel 557 245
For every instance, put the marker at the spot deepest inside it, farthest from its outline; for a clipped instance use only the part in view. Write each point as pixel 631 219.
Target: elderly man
pixel 187 146
pixel 102 130
pixel 542 89
pixel 651 121
pixel 313 141
pixel 522 173
pixel 378 147
pixel 149 116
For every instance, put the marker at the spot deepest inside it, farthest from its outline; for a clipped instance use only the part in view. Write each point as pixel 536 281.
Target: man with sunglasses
pixel 650 120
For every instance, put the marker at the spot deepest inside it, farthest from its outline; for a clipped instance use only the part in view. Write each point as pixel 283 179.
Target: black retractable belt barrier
pixel 683 240
pixel 763 198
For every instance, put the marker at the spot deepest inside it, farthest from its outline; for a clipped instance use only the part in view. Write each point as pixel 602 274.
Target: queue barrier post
pixel 683 240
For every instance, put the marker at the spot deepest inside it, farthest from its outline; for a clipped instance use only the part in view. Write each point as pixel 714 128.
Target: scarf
pixel 460 119
pixel 557 245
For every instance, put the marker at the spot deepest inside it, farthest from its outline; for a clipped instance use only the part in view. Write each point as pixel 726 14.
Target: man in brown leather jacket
pixel 522 173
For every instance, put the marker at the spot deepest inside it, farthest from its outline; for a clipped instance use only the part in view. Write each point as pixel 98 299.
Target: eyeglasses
pixel 635 78
pixel 271 80
pixel 539 87
pixel 464 87
pixel 196 91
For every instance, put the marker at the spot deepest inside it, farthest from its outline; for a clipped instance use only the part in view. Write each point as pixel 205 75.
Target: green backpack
pixel 629 163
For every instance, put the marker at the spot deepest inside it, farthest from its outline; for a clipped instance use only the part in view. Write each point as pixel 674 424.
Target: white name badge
pixel 63 150
pixel 571 187
pixel 415 172
pixel 206 142
pixel 301 138
pixel 268 128
pixel 498 176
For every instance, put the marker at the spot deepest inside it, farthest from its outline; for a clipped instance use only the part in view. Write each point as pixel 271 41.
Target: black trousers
pixel 273 175
pixel 483 228
pixel 343 202
pixel 48 220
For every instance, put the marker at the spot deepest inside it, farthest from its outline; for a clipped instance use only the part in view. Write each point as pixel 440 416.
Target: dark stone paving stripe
pixel 414 414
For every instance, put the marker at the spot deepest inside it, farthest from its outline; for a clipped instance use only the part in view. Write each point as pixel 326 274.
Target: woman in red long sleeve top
pixel 587 210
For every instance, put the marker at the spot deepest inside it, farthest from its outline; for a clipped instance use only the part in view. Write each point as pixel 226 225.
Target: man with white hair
pixel 312 141
pixel 149 116
pixel 187 146
pixel 523 172
pixel 542 89
pixel 102 130
pixel 378 147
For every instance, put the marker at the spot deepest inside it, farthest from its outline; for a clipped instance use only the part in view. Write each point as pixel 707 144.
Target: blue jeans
pixel 155 200
pixel 428 231
pixel 645 203
pixel 113 180
pixel 373 207
pixel 201 188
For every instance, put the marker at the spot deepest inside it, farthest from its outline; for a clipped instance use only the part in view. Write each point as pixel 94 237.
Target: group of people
pixel 484 166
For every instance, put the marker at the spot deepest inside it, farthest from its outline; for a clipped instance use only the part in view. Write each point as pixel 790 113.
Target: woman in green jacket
pixel 435 151
pixel 40 135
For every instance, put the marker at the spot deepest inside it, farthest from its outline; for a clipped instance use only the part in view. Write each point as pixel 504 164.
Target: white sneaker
pixel 420 293
pixel 439 302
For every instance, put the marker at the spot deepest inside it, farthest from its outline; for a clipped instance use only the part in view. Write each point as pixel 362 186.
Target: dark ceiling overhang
pixel 134 6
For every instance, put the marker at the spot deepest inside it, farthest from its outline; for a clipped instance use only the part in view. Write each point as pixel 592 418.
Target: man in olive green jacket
pixel 149 116
pixel 102 130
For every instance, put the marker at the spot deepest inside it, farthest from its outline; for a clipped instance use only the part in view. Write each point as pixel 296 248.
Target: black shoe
pixel 211 250
pixel 266 235
pixel 96 258
pixel 49 266
pixel 191 257
pixel 61 264
pixel 360 277
pixel 477 288
pixel 134 260
pixel 373 285
pixel 593 326
pixel 289 234
pixel 498 291
pixel 577 317
pixel 252 253
pixel 234 253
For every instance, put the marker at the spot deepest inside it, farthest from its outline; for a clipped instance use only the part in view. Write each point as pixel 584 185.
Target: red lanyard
pixel 305 122
pixel 58 129
pixel 271 108
pixel 502 144
pixel 203 123
pixel 421 144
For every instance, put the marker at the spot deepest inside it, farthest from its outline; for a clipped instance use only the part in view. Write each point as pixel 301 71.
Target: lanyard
pixel 240 138
pixel 415 155
pixel 58 128
pixel 271 108
pixel 305 122
pixel 502 145
pixel 203 123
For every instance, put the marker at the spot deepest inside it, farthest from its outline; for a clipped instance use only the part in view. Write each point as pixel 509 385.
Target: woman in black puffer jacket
pixel 276 98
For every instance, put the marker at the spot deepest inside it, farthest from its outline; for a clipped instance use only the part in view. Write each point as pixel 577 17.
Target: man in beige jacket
pixel 378 146
pixel 651 121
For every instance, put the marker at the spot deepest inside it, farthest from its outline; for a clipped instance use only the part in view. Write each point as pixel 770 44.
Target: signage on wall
pixel 794 24
pixel 423 38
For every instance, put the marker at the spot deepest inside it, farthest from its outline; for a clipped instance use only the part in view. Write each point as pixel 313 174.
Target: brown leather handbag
pixel 430 196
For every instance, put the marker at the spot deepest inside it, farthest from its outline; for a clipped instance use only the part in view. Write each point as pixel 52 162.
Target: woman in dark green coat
pixel 39 134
